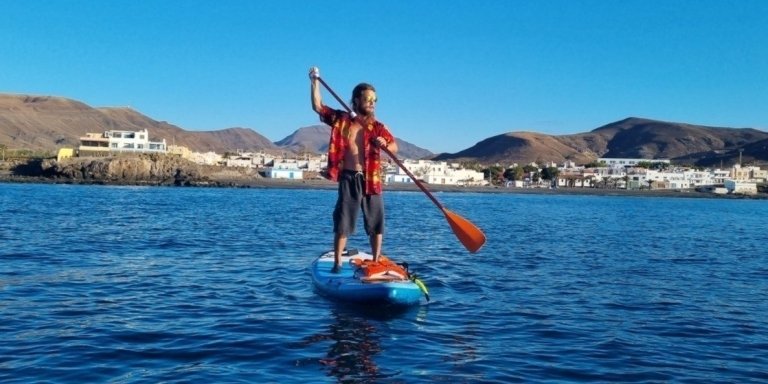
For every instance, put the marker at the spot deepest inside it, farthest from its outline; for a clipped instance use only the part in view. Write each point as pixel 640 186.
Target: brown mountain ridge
pixel 315 139
pixel 48 123
pixel 629 138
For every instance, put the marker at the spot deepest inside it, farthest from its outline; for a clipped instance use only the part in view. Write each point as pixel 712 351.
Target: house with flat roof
pixel 628 162
pixel 285 169
pixel 120 141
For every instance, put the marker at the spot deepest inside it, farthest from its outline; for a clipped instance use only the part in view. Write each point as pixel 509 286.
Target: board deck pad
pixel 352 285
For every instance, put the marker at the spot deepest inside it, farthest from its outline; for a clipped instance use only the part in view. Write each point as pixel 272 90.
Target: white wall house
pixel 262 159
pixel 286 169
pixel 576 177
pixel 434 172
pixel 208 158
pixel 748 173
pixel 397 178
pixel 719 176
pixel 629 162
pixel 121 141
pixel 740 187
pixel 240 162
pixel 248 160
pixel 315 164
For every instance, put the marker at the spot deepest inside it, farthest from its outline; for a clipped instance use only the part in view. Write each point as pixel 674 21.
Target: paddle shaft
pixel 387 151
pixel 415 180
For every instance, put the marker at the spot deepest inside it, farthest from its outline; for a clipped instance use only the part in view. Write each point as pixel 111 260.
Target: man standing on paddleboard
pixel 354 161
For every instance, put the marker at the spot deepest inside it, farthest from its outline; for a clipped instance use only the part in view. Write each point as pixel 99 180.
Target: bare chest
pixel 354 155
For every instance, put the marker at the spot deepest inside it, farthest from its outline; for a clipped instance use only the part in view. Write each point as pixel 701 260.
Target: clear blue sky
pixel 448 73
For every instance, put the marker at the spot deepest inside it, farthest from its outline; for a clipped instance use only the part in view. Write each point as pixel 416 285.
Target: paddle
pixel 468 234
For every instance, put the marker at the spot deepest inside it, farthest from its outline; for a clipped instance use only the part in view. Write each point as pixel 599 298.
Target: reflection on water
pixel 216 290
pixel 355 341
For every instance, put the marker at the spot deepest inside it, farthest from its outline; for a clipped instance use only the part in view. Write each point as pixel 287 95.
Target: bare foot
pixel 336 269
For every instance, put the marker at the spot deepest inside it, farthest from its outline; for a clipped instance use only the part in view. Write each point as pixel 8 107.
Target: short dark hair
pixel 359 89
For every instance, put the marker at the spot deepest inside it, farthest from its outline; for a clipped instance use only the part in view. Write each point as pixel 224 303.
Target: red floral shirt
pixel 340 122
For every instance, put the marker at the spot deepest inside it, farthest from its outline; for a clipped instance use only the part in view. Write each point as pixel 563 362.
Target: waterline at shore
pixel 327 184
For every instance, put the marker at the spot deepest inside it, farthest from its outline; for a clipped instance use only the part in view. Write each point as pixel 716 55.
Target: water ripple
pixel 136 284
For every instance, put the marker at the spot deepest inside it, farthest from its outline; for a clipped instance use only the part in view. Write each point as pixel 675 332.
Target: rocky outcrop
pixel 142 169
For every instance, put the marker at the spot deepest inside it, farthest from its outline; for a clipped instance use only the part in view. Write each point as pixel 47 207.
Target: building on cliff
pixel 119 141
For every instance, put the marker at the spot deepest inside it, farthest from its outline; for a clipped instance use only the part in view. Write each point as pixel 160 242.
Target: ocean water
pixel 103 284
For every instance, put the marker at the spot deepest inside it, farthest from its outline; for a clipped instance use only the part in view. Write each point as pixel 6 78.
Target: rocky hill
pixel 307 139
pixel 522 148
pixel 628 138
pixel 314 139
pixel 47 123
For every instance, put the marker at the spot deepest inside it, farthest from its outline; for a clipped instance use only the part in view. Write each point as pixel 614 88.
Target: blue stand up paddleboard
pixel 360 280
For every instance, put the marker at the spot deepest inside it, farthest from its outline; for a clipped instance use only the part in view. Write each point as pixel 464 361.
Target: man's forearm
pixel 317 100
pixel 392 146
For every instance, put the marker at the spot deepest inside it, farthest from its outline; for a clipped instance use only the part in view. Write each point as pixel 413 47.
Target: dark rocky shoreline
pixel 148 170
pixel 329 185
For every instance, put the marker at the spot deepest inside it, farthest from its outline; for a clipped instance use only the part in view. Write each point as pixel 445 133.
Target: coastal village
pixel 613 173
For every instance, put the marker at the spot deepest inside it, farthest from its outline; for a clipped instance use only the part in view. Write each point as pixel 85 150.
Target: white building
pixel 314 164
pixel 748 173
pixel 629 162
pixel 208 158
pixel 285 169
pixel 434 172
pixel 397 178
pixel 120 141
pixel 719 176
pixel 242 161
pixel 576 177
pixel 740 187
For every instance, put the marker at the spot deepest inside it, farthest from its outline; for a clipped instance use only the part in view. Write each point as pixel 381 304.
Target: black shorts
pixel 351 199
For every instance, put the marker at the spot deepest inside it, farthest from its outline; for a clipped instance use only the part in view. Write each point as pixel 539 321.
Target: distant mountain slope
pixel 643 138
pixel 234 139
pixel 752 153
pixel 315 139
pixel 628 138
pixel 229 139
pixel 42 122
pixel 407 150
pixel 49 123
pixel 518 147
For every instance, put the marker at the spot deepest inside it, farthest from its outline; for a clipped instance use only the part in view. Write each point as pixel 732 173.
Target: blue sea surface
pixel 169 285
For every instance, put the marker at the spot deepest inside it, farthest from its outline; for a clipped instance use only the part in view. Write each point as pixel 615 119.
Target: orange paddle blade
pixel 469 235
